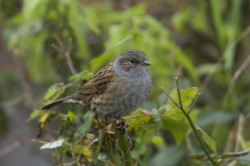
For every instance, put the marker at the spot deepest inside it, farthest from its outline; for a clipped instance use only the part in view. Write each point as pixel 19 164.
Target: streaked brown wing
pixel 99 83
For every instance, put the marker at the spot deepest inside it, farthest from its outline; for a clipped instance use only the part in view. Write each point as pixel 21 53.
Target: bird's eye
pixel 133 61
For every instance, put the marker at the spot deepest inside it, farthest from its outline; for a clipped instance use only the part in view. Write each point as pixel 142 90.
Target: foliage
pixel 176 121
pixel 205 41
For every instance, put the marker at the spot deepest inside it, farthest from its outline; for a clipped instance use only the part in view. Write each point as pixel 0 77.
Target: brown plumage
pixel 117 89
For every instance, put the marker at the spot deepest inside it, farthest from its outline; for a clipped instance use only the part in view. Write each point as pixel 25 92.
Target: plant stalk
pixel 193 126
pixel 123 141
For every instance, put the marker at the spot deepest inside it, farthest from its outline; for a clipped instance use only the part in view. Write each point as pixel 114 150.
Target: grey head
pixel 132 64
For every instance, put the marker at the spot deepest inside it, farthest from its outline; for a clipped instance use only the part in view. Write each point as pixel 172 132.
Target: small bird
pixel 117 89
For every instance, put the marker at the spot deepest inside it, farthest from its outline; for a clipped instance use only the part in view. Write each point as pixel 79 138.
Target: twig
pixel 236 75
pixel 106 135
pixel 107 162
pixel 178 90
pixel 220 60
pixel 69 163
pixel 111 150
pixel 60 47
pixel 195 101
pixel 180 106
pixel 99 145
pixel 177 105
pixel 239 132
pixel 147 114
pixel 229 155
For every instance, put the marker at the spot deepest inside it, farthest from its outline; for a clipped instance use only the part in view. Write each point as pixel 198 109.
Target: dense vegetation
pixel 59 44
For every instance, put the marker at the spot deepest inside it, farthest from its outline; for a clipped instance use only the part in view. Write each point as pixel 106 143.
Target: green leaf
pixel 83 75
pixel 176 121
pixel 52 145
pixel 71 116
pixel 55 91
pixel 138 119
pixel 86 150
pixel 157 140
pixel 207 139
pixel 108 54
pixel 88 117
pixel 42 120
pixel 35 114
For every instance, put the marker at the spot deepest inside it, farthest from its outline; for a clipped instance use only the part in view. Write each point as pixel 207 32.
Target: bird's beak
pixel 146 63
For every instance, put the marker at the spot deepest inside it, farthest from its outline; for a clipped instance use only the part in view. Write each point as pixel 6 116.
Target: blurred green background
pixel 207 42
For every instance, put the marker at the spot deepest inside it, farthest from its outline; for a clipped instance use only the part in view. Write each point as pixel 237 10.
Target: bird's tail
pixel 75 98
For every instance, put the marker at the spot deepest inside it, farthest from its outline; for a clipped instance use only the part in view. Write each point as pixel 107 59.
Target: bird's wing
pixel 99 83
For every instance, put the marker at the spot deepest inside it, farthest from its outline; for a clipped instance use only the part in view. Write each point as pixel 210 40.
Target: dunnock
pixel 117 89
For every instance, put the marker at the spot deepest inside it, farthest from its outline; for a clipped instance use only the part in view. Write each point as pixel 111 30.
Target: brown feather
pixel 75 98
pixel 99 83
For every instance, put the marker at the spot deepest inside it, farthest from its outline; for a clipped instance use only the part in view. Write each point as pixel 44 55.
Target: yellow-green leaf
pixel 88 117
pixel 83 75
pixel 35 114
pixel 86 150
pixel 71 116
pixel 55 91
pixel 176 121
pixel 207 139
pixel 136 119
pixel 43 119
pixel 157 140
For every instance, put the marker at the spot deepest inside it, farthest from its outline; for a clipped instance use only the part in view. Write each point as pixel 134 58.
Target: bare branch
pixel 177 105
pixel 236 75
pixel 220 60
pixel 65 51
pixel 178 90
pixel 195 101
pixel 200 140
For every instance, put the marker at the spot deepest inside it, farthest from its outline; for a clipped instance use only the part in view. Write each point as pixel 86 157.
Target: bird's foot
pixel 120 124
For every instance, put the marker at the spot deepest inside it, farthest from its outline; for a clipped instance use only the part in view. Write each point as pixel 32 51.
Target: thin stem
pixel 195 101
pixel 177 105
pixel 110 150
pixel 193 126
pixel 147 114
pixel 180 106
pixel 178 90
pixel 199 138
pixel 107 162
pixel 98 148
pixel 60 47
pixel 108 144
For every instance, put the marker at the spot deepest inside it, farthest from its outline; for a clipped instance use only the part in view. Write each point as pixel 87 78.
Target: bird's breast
pixel 122 97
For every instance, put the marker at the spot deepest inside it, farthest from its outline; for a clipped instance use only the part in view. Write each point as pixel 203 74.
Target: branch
pixel 98 148
pixel 60 47
pixel 220 60
pixel 110 149
pixel 236 75
pixel 195 101
pixel 180 106
pixel 177 105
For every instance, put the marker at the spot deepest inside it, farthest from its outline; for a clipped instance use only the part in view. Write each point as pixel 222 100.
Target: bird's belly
pixel 121 102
